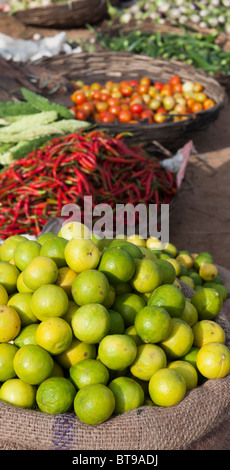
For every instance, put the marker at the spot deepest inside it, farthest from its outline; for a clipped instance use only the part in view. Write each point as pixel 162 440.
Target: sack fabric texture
pixel 201 421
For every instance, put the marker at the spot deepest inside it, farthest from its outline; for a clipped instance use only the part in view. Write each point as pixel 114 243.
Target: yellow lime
pixel 33 364
pixel 117 351
pixel 167 387
pixel 25 252
pixel 81 254
pixel 153 324
pixel 88 372
pixel 10 323
pixel 74 230
pixel 117 324
pixel 154 243
pixel 77 351
pixel 189 314
pixel 185 259
pixel 91 323
pixel 21 302
pixel 208 303
pixel 21 287
pixel 201 259
pixel 3 295
pixel 55 249
pixel 168 271
pixel 213 360
pixel 7 248
pixel 188 280
pixel 94 404
pixel 136 240
pixel 179 341
pixel 49 301
pixel 149 359
pixel 176 265
pixel 147 276
pixel 169 297
pixel 65 279
pixel 54 335
pixel 187 371
pixel 208 272
pixel 8 276
pixel 207 331
pixel 7 353
pixel 117 265
pixel 26 335
pixel 128 394
pixel 46 236
pixel 128 305
pixel 55 395
pixel 170 248
pixel 18 393
pixel 72 308
pixel 131 331
pixel 40 271
pixel 90 286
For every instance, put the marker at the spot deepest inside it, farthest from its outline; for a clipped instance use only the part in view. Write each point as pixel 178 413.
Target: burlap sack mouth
pixel 200 421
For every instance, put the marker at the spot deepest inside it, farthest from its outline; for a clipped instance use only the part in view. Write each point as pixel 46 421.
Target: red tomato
pixel 158 85
pixel 106 116
pixel 101 106
pixel 196 107
pixel 208 103
pixel 96 94
pixel 136 108
pixel 79 97
pixel 161 110
pixel 134 83
pixel 147 114
pixel 81 115
pixel 174 80
pixel 126 90
pixel 114 109
pixel 88 107
pixel 112 101
pixel 145 81
pixel 125 115
pixel 142 89
pixel 104 96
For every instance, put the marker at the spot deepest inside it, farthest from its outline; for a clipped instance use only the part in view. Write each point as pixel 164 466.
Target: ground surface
pixel 201 218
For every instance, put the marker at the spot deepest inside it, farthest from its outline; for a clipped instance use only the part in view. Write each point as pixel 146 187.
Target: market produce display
pixel 116 339
pixel 26 125
pixel 63 171
pixel 135 100
pixel 194 49
pixel 213 14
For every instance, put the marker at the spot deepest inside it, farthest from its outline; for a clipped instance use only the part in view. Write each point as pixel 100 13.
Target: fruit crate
pixel 103 66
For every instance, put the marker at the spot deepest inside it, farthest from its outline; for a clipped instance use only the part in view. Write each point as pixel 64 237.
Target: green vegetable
pixel 43 104
pixel 71 125
pixel 28 122
pixel 16 108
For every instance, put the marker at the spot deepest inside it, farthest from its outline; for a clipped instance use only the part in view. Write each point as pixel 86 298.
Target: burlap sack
pixel 200 421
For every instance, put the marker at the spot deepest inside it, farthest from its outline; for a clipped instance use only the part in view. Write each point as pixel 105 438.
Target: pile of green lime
pixel 100 327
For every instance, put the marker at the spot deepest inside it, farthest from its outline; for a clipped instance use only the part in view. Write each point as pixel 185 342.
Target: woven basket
pixel 71 14
pixel 201 421
pixel 103 66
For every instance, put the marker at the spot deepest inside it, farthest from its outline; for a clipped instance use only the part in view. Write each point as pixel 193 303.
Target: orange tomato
pixel 208 103
pixel 145 81
pixel 196 107
pixel 125 115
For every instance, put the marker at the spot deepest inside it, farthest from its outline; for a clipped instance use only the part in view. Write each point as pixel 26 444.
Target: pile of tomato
pixel 132 101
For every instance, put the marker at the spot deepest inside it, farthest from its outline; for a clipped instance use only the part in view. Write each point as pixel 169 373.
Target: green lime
pixel 167 387
pixel 21 302
pixel 8 276
pixel 90 286
pixel 117 351
pixel 153 324
pixel 33 364
pixel 128 394
pixel 94 404
pixel 117 324
pixel 128 305
pixel 169 297
pixel 46 236
pixel 88 372
pixel 49 301
pixel 55 249
pixel 149 358
pixel 55 395
pixel 7 248
pixel 117 265
pixel 132 249
pixel 18 393
pixel 39 272
pixel 208 303
pixel 7 353
pixel 26 335
pixel 91 323
pixel 25 252
pixel 168 271
pixel 147 276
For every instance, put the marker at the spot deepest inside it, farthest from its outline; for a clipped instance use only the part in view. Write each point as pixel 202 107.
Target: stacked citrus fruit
pixel 100 327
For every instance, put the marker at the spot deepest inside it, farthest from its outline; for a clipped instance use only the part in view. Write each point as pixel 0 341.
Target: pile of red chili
pixel 35 188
